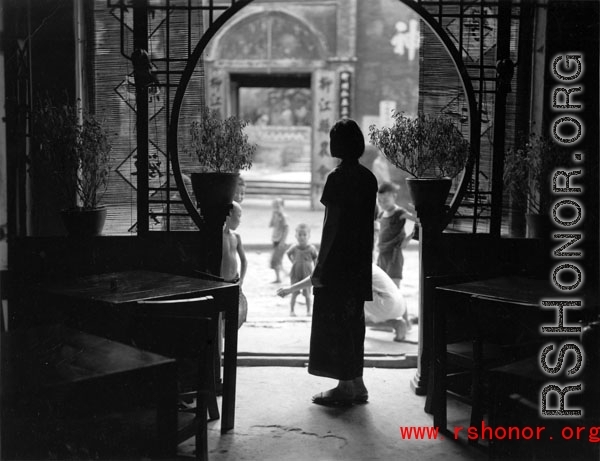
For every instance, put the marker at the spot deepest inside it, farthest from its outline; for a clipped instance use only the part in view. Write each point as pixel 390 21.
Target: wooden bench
pixel 59 385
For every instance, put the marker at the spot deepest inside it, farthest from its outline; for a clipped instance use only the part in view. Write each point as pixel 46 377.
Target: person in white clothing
pixel 387 308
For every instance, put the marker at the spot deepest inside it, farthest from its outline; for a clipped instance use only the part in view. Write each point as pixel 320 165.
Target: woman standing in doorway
pixel 342 275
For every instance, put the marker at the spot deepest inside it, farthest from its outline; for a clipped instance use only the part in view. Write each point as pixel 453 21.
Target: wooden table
pixel 518 290
pixel 114 295
pixel 57 368
pixel 521 294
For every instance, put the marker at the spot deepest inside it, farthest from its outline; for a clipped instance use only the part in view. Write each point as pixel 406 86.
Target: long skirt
pixel 337 340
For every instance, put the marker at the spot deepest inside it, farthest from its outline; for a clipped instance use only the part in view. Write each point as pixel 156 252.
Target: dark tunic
pixel 342 276
pixel 391 236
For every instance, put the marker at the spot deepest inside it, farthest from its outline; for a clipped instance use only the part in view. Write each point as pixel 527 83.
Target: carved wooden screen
pixel 174 27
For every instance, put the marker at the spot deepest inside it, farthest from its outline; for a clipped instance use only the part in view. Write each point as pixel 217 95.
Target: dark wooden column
pixel 522 89
pixel 140 42
pixel 430 221
pixel 504 68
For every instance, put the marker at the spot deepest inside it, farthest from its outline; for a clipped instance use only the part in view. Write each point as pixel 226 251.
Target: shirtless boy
pixel 232 248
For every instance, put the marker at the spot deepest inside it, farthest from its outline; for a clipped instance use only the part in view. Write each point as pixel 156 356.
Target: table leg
pixel 166 410
pixel 230 363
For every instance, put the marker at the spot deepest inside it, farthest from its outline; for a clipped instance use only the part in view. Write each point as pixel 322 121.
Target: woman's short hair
pixel 346 140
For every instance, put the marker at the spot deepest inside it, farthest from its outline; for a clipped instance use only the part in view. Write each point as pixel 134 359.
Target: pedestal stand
pixel 214 219
pixel 430 221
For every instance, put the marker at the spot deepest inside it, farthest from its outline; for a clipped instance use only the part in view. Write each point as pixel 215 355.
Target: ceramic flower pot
pixel 214 190
pixel 429 193
pixel 81 222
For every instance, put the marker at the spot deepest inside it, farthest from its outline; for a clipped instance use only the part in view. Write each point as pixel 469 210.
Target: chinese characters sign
pixel 325 116
pixel 345 94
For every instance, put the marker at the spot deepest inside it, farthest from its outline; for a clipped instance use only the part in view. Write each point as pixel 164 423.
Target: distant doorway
pixel 279 110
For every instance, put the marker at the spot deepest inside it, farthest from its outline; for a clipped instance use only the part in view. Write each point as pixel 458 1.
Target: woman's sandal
pixel 333 398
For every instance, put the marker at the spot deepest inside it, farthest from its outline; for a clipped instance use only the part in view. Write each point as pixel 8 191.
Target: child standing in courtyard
pixel 303 256
pixel 278 237
pixel 393 237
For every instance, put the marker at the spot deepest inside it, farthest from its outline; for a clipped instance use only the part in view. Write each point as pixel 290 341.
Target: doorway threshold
pixel 286 343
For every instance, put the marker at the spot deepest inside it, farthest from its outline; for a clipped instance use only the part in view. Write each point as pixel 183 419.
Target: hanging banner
pixel 345 94
pixel 216 91
pixel 325 112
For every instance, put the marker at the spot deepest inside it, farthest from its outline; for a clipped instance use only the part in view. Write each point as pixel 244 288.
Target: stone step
pixel 408 360
pixel 284 189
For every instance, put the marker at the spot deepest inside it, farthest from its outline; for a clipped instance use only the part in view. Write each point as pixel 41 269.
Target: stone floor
pixel 275 420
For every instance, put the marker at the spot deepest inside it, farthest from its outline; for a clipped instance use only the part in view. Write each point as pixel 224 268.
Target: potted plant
pixel 528 169
pixel 222 150
pixel 73 147
pixel 429 148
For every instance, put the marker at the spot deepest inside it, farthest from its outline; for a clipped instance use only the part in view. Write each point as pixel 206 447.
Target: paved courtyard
pixel 264 304
pixel 269 328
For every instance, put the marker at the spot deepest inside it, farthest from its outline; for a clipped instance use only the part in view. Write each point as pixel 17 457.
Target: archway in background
pixel 267 63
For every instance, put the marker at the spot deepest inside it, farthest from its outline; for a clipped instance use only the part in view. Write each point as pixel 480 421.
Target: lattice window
pixel 473 28
pixel 174 29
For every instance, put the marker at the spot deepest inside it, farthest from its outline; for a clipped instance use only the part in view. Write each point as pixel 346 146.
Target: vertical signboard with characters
pixel 325 115
pixel 345 94
pixel 216 91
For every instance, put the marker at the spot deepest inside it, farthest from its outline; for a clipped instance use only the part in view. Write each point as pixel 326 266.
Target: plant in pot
pixel 430 149
pixel 528 169
pixel 73 147
pixel 222 150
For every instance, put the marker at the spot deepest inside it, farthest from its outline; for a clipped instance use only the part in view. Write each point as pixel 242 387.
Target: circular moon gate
pixel 474 119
